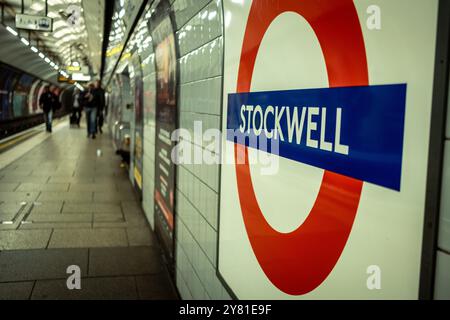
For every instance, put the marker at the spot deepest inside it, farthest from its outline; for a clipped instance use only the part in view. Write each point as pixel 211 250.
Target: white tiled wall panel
pixel 196 268
pixel 201 29
pixel 186 9
pixel 201 63
pixel 444 224
pixel 442 282
pixel 202 96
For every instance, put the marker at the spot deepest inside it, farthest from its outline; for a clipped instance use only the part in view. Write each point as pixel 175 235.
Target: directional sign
pixel 36 23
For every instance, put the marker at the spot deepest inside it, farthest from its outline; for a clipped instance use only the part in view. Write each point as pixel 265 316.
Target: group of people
pixel 92 102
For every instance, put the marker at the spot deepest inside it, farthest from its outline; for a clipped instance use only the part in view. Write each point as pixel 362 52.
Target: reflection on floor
pixel 61 205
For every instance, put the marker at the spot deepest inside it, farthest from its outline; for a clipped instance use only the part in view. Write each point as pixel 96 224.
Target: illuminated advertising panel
pixel 166 123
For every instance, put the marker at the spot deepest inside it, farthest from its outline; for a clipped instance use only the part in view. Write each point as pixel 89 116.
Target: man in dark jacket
pixel 91 111
pixel 47 103
pixel 99 94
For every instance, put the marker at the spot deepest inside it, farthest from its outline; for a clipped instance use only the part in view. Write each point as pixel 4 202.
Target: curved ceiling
pixel 18 55
pixel 80 42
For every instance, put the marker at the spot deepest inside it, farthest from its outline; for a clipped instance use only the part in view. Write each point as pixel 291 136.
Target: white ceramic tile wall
pixel 201 29
pixel 442 282
pixel 186 9
pixel 201 49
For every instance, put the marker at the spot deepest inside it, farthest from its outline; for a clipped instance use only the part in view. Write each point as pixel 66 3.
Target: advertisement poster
pixel 19 93
pixel 329 202
pixel 137 84
pixel 166 123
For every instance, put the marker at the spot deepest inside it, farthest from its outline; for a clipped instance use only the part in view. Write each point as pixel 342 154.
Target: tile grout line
pixel 32 290
pixel 62 207
pixel 128 239
pixel 49 239
pixel 138 297
pixel 88 261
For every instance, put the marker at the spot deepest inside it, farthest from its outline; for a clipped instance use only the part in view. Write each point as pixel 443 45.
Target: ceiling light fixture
pixel 25 41
pixel 12 31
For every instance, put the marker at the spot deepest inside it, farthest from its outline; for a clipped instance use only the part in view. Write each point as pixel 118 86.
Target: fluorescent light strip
pixel 12 31
pixel 41 55
pixel 25 41
pixel 47 60
pixel 34 49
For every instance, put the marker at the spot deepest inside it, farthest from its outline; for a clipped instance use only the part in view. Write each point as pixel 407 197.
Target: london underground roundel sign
pixel 366 140
pixel 306 256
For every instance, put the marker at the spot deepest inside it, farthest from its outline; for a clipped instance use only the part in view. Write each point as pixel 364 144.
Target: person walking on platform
pixel 76 108
pixel 99 94
pixel 91 111
pixel 47 102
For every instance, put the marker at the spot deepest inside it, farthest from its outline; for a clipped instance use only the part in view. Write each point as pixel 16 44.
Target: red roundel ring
pixel 300 261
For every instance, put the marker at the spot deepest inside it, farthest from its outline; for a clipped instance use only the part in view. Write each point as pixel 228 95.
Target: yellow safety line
pixel 25 135
pixel 15 140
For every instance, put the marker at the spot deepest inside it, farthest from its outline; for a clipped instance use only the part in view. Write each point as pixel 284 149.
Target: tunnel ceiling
pixel 67 43
pixel 16 54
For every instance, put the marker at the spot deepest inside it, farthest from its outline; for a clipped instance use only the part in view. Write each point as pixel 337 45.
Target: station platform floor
pixel 63 205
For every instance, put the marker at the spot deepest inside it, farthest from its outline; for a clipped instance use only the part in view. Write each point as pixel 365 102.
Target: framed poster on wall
pixel 166 122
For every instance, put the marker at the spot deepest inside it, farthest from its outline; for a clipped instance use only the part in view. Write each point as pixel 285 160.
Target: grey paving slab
pixel 114 288
pixel 108 217
pixel 53 173
pixel 131 207
pixel 56 179
pixel 156 287
pixel 141 237
pixel 7 216
pixel 19 196
pixel 88 238
pixel 16 173
pixel 91 187
pixel 37 187
pixel 65 196
pixel 16 290
pixel 124 261
pixel 80 217
pixel 90 207
pixel 113 196
pixel 24 239
pixel 55 225
pixel 33 179
pixel 110 180
pixel 128 223
pixel 10 207
pixel 12 186
pixel 27 265
pixel 47 208
pixel 136 220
